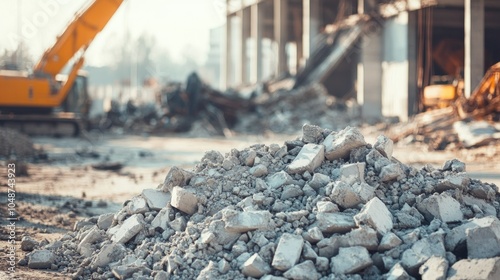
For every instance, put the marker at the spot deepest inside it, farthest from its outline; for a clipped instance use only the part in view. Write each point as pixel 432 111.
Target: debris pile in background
pixel 325 206
pixel 281 111
pixel 469 122
pixel 15 145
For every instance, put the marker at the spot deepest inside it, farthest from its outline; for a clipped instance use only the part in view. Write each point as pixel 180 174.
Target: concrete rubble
pixel 327 205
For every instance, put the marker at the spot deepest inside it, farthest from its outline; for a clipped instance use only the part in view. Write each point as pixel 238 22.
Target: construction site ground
pixel 66 186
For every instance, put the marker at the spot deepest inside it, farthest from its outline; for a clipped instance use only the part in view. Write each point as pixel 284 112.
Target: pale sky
pixel 176 24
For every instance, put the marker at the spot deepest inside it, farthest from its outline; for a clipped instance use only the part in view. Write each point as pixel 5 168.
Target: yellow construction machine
pixel 30 101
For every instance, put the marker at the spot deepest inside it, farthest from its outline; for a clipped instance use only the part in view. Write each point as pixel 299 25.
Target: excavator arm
pixel 77 36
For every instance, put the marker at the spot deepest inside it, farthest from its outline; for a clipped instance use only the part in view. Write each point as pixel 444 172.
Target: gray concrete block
pixel 176 177
pixel 364 236
pixel 184 200
pixel 344 195
pixel 105 221
pixel 130 227
pixel 441 206
pixel 391 172
pixel 375 214
pixel 484 269
pixel 435 268
pixel 109 253
pixel 310 157
pixel 245 221
pixel 255 267
pixel 156 199
pixel 288 251
pixel 384 145
pixel 327 207
pixel 161 219
pixel 397 272
pixel 334 222
pixel 353 173
pixel 137 205
pixel 303 271
pixel 259 170
pixel 350 260
pixel 389 241
pixel 319 181
pixel 423 250
pixel 311 133
pixel 454 181
pixel 483 240
pixel 41 259
pixel 339 145
pixel 278 179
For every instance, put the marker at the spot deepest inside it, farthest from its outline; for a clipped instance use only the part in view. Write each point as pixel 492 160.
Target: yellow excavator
pixel 30 102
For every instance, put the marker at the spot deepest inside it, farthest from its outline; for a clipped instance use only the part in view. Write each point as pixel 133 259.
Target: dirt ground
pixel 65 186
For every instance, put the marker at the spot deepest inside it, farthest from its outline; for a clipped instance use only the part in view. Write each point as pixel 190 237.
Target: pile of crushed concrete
pixel 14 145
pixel 325 206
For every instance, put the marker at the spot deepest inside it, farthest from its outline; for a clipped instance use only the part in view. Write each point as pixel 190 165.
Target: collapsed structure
pixel 325 206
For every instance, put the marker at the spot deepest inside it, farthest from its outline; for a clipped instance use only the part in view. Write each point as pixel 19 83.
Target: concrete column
pixel 281 33
pixel 256 30
pixel 369 82
pixel 312 22
pixel 244 15
pixel 474 44
pixel 226 70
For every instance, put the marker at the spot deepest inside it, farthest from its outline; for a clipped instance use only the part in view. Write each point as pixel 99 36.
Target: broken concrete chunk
pixel 422 250
pixel 176 177
pixel 315 234
pixel 455 181
pixel 156 199
pixel 161 219
pixel 375 214
pixel 350 260
pixel 353 173
pixel 339 145
pixel 364 236
pixel 318 181
pixel 137 205
pixel 384 145
pixel 303 271
pixel 259 170
pixel 41 259
pixel 397 272
pixel 130 227
pixel 246 221
pixel 248 157
pixel 291 191
pixel 28 244
pixel 288 251
pixel 435 268
pixel 488 269
pixel 184 200
pixel 344 195
pixel 327 207
pixel 278 179
pixel 483 240
pixel 334 222
pixel 255 267
pixel 454 165
pixel 109 253
pixel 310 157
pixel 105 221
pixel 311 133
pixel 391 172
pixel 389 241
pixel 441 206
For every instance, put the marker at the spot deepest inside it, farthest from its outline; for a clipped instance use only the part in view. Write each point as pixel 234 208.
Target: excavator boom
pixel 77 36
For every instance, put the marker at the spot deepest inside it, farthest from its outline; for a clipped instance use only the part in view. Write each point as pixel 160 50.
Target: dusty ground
pixel 65 187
